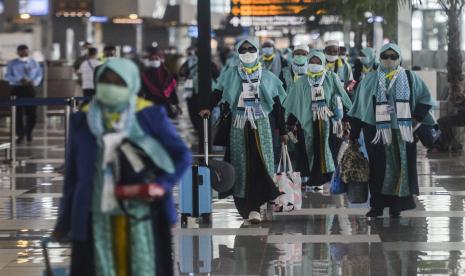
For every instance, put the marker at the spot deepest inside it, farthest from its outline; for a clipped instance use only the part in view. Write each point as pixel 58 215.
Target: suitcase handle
pixel 44 243
pixel 205 139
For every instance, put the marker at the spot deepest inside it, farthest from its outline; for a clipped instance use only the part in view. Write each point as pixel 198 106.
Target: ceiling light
pixel 25 16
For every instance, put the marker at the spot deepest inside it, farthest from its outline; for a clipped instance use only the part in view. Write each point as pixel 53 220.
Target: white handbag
pixel 289 184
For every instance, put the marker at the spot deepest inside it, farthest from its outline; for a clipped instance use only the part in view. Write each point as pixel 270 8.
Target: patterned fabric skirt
pixel 393 172
pixel 238 152
pixel 123 246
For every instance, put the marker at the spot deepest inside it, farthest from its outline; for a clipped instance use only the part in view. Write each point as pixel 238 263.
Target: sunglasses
pixel 244 50
pixel 392 56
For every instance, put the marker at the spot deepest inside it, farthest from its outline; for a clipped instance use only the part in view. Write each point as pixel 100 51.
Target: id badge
pixel 249 89
pixel 257 109
pixel 189 84
pixel 390 109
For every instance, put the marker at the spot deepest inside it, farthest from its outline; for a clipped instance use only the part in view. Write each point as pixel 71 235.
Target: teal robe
pixel 363 107
pixel 299 103
pixel 397 181
pixel 230 83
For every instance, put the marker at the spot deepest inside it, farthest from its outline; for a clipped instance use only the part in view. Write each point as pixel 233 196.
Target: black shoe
pixel 29 137
pixel 373 213
pixel 19 140
pixel 394 214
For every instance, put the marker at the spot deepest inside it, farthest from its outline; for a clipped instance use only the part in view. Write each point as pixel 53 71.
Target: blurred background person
pixel 82 55
pixel 24 74
pixel 159 85
pixel 87 71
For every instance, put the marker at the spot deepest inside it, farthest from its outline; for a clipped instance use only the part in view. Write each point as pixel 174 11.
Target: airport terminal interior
pixel 329 234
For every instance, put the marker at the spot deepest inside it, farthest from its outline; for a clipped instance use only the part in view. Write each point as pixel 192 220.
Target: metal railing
pixel 69 104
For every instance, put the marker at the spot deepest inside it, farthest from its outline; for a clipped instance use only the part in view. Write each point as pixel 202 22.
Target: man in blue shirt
pixel 24 74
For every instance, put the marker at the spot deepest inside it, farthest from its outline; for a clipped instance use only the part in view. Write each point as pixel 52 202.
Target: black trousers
pixel 88 92
pixel 27 113
pixel 193 108
pixel 163 240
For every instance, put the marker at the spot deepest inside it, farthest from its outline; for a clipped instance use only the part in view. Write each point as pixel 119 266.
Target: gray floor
pixel 328 237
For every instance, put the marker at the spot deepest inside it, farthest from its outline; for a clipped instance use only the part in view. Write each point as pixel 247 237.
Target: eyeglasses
pixel 392 56
pixel 244 50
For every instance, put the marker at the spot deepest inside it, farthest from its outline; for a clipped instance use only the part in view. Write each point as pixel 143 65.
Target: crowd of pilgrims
pixel 312 100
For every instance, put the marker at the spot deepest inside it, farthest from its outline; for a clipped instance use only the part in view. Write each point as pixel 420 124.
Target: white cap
pixel 330 43
pixel 302 47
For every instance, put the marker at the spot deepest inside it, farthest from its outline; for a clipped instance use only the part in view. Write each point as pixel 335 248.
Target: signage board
pixel 270 7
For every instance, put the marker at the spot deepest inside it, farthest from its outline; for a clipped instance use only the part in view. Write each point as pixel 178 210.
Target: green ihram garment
pixel 396 181
pixel 270 86
pixel 299 103
pixel 129 237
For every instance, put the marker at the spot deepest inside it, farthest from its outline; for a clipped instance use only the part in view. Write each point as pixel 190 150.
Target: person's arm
pixel 170 89
pixel 184 70
pixel 63 224
pixel 10 75
pixel 283 80
pixel 278 111
pixel 161 128
pixel 291 121
pixel 37 77
pixel 215 98
pixel 174 98
pixel 215 71
pixel 340 91
pixel 356 127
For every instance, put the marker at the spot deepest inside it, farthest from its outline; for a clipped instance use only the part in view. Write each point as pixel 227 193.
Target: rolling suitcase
pixel 195 254
pixel 195 193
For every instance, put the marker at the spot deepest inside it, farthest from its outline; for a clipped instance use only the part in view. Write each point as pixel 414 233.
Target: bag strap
pixel 281 161
pixel 288 160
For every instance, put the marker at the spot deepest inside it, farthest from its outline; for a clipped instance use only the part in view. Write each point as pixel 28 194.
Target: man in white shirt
pixel 86 70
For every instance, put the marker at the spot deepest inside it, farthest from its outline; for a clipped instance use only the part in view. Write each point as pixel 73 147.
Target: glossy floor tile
pixel 328 237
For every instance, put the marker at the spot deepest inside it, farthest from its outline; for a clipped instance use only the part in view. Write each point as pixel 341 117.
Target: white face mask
pixel 330 58
pixel 154 63
pixel 316 68
pixel 248 58
pixel 24 59
pixel 390 64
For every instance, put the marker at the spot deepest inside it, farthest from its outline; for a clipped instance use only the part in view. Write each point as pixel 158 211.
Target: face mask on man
pixel 268 51
pixel 300 59
pixel 331 58
pixel 248 58
pixel 24 59
pixel 112 95
pixel 315 68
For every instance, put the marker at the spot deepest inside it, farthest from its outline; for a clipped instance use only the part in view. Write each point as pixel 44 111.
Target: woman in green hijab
pixel 251 93
pixel 315 104
pixel 298 65
pixel 388 103
pixel 107 239
pixel 368 60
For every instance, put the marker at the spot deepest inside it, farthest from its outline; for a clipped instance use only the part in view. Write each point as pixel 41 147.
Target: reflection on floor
pixel 328 237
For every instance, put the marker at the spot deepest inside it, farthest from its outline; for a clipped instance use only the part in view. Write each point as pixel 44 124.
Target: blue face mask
pixel 268 51
pixel 300 59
